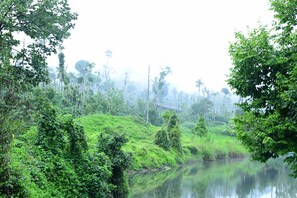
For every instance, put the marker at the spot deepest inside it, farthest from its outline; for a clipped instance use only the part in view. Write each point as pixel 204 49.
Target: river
pixel 223 178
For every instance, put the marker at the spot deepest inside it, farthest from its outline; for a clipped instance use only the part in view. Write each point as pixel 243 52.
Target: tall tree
pixel 44 24
pixel 264 75
pixel 148 94
pixel 62 74
pixel 199 84
pixel 84 68
pixel 201 106
pixel 160 86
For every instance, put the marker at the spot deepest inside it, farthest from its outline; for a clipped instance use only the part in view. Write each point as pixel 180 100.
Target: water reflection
pixel 235 178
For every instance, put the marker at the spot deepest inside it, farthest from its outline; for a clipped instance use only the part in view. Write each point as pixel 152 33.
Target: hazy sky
pixel 190 36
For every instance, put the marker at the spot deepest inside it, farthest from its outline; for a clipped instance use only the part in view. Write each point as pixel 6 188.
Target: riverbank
pixel 149 157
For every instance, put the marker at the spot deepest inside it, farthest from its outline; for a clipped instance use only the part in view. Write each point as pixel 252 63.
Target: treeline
pixel 90 90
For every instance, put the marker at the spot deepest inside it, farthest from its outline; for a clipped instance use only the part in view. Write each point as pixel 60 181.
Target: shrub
pixel 162 139
pixel 200 128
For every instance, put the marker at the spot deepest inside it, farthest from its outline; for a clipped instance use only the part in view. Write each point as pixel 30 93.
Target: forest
pixel 82 133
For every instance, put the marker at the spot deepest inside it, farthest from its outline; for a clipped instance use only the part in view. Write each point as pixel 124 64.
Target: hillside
pixel 146 155
pixel 38 172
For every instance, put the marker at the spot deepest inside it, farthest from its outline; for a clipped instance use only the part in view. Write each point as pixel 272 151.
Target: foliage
pixel 83 67
pixel 170 135
pixel 62 74
pixel 63 168
pixel 146 155
pixel 110 143
pixel 173 130
pixel 162 139
pixel 94 171
pixel 76 137
pixel 200 128
pixel 50 135
pixel 175 138
pixel 45 24
pixel 225 91
pixel 264 75
pixel 154 115
pixel 51 155
pixel 202 106
pixel 199 84
pixel 160 86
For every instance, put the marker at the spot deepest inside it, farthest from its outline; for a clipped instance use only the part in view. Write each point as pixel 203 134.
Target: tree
pixel 50 135
pixel 84 68
pixel 200 128
pixel 111 144
pixel 170 134
pixel 264 75
pixel 45 25
pixel 201 106
pixel 62 74
pixel 225 91
pixel 160 86
pixel 162 139
pixel 198 84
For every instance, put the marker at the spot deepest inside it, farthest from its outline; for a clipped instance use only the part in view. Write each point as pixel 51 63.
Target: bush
pixel 170 135
pixel 200 128
pixel 162 139
pixel 111 143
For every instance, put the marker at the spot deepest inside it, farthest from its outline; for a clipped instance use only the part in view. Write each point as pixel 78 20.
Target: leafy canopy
pixel 41 26
pixel 30 31
pixel 264 74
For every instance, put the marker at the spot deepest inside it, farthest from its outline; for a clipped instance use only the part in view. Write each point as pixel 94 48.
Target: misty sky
pixel 190 36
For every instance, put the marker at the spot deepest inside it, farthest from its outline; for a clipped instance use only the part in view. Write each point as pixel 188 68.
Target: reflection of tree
pixel 220 179
pixel 170 188
pixel 194 170
pixel 157 185
pixel 266 177
pixel 199 188
pixel 246 185
pixel 274 175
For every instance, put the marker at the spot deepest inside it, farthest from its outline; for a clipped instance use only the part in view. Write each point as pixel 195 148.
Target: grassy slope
pixel 146 155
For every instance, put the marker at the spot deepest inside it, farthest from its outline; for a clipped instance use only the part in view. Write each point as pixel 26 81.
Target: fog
pixel 191 37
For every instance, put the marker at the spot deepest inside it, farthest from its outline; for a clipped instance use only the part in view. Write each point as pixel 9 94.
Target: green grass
pixel 146 155
pixel 31 169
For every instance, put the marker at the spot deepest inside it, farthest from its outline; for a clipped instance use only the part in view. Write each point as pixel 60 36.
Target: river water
pixel 224 178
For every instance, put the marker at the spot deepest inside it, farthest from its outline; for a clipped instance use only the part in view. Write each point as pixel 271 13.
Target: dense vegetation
pixel 146 155
pixel 264 75
pixel 45 24
pixel 91 163
pixel 78 134
pixel 59 164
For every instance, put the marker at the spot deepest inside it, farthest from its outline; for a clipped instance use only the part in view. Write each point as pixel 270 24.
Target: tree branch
pixel 9 9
